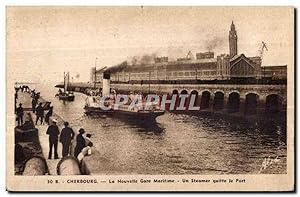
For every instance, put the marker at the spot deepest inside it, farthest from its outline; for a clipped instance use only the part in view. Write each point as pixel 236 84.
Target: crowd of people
pixel 23 88
pixel 37 107
pixel 65 137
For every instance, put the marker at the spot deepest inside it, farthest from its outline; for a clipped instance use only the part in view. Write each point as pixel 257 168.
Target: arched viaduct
pixel 230 98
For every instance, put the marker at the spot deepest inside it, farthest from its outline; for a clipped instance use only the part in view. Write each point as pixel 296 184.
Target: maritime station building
pixel 205 66
pixel 234 82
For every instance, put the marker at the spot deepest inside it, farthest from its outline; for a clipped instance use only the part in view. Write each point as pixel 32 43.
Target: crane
pixel 261 52
pixel 262 46
pixel 190 55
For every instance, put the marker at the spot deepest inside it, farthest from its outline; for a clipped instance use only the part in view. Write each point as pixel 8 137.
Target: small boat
pixel 65 94
pixel 92 107
pixel 125 111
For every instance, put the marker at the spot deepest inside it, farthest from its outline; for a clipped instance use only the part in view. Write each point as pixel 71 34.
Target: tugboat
pixel 143 117
pixel 92 106
pixel 65 94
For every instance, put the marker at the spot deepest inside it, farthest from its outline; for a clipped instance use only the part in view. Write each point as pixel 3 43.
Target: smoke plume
pixel 135 60
pixel 117 68
pixel 143 60
pixel 210 45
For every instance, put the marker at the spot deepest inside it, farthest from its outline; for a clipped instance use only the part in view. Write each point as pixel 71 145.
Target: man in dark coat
pixel 33 104
pixel 80 142
pixel 39 113
pixel 66 136
pixel 48 115
pixel 20 113
pixel 53 133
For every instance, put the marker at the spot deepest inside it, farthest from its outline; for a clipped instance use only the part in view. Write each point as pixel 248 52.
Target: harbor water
pixel 177 143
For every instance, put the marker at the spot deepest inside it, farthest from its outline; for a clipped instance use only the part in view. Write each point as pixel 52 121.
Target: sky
pixel 44 42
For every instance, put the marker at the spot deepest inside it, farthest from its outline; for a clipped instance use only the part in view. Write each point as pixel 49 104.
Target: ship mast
pixel 149 82
pixel 68 81
pixel 64 82
pixel 95 73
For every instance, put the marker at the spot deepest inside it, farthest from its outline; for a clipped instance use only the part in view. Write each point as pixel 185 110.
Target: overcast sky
pixel 45 42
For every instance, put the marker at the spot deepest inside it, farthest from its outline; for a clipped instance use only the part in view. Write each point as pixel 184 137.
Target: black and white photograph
pixel 150 98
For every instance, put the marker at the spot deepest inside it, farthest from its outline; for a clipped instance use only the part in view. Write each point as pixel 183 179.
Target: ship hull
pixel 147 115
pixel 66 97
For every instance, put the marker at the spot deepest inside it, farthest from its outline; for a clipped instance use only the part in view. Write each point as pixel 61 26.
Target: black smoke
pixel 117 68
pixel 143 60
pixel 134 61
pixel 212 44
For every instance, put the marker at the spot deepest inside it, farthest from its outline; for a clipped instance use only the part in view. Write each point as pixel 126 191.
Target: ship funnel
pixel 106 84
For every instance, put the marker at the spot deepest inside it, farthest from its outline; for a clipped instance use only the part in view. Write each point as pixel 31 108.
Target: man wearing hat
pixel 66 136
pixel 53 133
pixel 80 142
pixel 39 113
pixel 20 113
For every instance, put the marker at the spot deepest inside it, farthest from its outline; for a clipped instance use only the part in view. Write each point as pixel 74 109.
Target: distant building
pixel 160 59
pixel 205 55
pixel 92 74
pixel 241 66
pixel 204 67
pixel 232 41
pixel 274 72
pixel 244 67
pixel 96 75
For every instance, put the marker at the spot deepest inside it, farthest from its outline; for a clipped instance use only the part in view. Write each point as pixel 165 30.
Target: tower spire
pixel 232 27
pixel 232 40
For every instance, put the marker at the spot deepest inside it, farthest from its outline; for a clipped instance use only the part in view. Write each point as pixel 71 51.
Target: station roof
pixel 173 65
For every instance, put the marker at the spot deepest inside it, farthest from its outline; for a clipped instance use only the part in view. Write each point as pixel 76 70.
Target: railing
pixel 212 81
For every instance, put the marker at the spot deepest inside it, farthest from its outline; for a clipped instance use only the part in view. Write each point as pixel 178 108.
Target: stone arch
pixel 251 103
pixel 218 101
pixel 194 92
pixel 273 103
pixel 205 99
pixel 233 102
pixel 197 98
pixel 222 91
pixel 175 92
pixel 252 92
pixel 234 91
pixel 206 90
pixel 184 92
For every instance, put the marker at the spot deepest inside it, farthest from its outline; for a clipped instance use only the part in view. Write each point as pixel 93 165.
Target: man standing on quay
pixel 20 113
pixel 33 104
pixel 39 113
pixel 53 133
pixel 66 136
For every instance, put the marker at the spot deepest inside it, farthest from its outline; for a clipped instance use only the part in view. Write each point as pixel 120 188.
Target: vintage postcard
pixel 150 98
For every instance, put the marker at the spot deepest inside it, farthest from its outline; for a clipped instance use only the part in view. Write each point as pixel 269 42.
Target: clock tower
pixel 232 41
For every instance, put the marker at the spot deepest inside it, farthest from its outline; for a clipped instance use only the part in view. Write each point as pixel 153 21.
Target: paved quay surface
pixel 25 99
